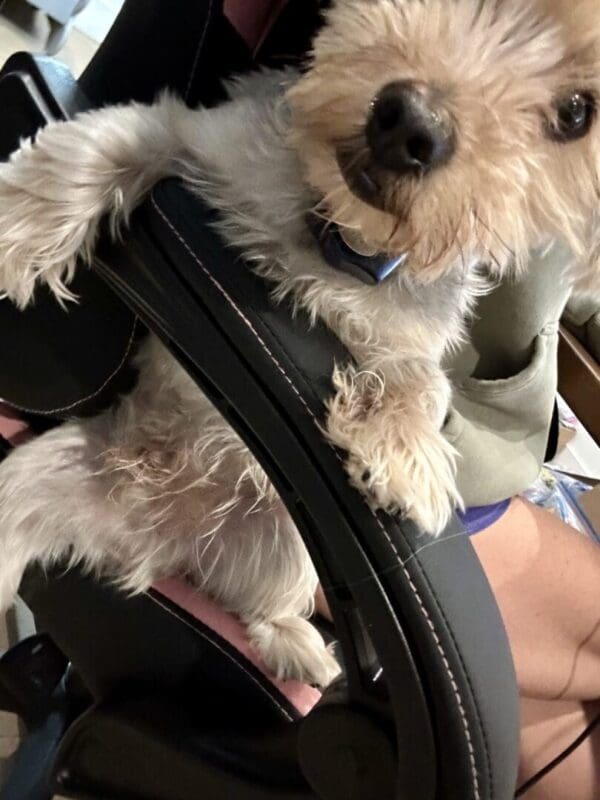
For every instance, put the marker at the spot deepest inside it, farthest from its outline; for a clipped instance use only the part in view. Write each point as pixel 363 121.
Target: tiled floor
pixel 24 28
pixel 97 18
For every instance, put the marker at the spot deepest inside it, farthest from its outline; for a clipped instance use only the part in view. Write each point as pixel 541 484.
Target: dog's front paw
pixel 292 649
pixel 41 230
pixel 415 479
pixel 397 456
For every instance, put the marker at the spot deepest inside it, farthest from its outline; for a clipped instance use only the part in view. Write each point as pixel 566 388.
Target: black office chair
pixel 136 698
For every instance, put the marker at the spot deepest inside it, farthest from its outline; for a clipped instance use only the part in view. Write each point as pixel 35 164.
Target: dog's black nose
pixel 406 132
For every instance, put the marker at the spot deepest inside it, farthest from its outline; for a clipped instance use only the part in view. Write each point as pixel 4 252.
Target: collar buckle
pixel 368 269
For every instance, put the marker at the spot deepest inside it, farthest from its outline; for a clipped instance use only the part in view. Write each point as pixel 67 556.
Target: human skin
pixel 545 577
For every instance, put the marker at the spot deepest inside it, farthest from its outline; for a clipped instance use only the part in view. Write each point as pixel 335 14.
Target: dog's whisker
pixel 493 232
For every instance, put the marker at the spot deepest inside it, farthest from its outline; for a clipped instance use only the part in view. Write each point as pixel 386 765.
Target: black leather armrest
pixel 47 367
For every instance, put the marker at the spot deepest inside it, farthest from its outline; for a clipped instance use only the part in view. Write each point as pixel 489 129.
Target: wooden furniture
pixel 579 381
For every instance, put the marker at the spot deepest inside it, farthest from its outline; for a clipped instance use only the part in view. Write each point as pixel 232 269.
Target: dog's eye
pixel 574 117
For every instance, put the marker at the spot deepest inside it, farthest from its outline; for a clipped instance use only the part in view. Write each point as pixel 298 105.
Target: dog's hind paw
pixel 292 649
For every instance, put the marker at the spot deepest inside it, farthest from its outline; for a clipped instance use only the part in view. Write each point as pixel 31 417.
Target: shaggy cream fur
pixel 160 485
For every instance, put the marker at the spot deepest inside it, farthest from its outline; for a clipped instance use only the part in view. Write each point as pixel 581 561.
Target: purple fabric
pixel 478 518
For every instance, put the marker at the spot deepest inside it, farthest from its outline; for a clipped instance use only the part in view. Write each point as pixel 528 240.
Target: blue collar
pixel 338 254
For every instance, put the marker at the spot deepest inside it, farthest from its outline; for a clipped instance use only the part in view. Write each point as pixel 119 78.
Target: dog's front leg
pixel 55 189
pixel 391 430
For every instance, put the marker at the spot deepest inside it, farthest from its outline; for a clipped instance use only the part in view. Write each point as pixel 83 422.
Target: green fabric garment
pixel 505 382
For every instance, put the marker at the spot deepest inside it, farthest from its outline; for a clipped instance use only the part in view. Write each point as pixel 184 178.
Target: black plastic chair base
pixel 30 771
pixel 29 676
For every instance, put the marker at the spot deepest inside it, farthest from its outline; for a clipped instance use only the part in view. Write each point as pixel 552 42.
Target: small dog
pixel 443 134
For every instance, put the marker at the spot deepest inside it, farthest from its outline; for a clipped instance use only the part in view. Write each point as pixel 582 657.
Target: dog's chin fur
pixel 161 485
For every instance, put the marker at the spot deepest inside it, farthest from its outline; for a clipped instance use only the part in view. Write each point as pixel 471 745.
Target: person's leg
pixel 548 727
pixel 546 579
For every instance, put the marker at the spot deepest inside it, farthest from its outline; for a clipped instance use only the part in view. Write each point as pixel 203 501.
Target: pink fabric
pixel 253 18
pixel 300 695
pixel 13 429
